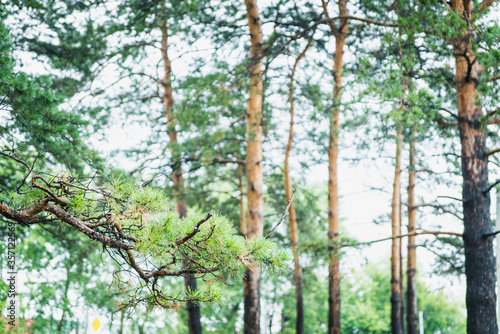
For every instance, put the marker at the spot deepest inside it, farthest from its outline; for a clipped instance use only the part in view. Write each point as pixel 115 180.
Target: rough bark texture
pixel 292 217
pixel 255 199
pixel 479 259
pixel 411 267
pixel 333 197
pixel 396 300
pixel 193 311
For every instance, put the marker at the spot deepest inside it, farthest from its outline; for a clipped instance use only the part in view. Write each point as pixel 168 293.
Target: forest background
pixel 379 118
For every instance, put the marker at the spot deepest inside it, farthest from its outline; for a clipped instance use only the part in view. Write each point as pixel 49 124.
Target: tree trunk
pixel 479 260
pixel 333 150
pixel 255 198
pixel 243 218
pixel 193 311
pixel 65 296
pixel 396 300
pixel 122 320
pixel 411 270
pixel 292 217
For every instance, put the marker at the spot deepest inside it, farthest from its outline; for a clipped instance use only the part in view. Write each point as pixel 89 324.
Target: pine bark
pixel 411 267
pixel 255 198
pixel 340 34
pixel 193 311
pixel 243 211
pixel 479 259
pixel 292 216
pixel 396 298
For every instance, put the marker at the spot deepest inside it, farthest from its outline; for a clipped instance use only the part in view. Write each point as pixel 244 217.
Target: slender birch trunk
pixel 340 34
pixel 396 300
pixel 193 311
pixel 255 198
pixel 292 217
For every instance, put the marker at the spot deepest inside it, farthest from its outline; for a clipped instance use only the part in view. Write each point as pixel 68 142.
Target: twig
pixel 284 214
pixel 487 154
pixel 456 199
pixel 438 207
pixel 491 187
pixel 491 113
pixel 493 78
pixel 446 123
pixel 492 233
pixel 376 23
pixel 455 116
pixel 486 4
pixel 134 265
pixel 196 230
pixel 436 233
pixel 225 161
pixel 180 272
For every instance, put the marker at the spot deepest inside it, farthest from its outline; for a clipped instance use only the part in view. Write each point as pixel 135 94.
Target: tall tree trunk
pixel 292 217
pixel 401 282
pixel 122 320
pixel 340 34
pixel 396 300
pixel 65 296
pixel 411 267
pixel 193 311
pixel 243 211
pixel 255 198
pixel 479 259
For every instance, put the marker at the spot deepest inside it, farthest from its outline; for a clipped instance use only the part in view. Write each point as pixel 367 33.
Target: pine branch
pixel 438 207
pixel 333 28
pixel 195 231
pixel 284 214
pixel 454 198
pixel 491 187
pixel 491 234
pixel 493 78
pixel 494 120
pixel 445 123
pixel 180 272
pixel 486 4
pixel 487 154
pixel 436 233
pixel 376 23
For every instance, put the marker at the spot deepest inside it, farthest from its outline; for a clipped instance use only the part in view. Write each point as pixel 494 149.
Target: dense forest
pixel 305 166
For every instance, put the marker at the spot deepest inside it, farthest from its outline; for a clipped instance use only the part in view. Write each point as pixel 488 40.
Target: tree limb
pixel 486 4
pixel 333 28
pixel 493 78
pixel 436 233
pixel 491 187
pixel 437 206
pixel 491 234
pixel 24 215
pixel 82 227
pixel 376 23
pixel 180 272
pixel 487 154
pixel 445 123
pixel 195 231
pixel 495 120
pixel 283 216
